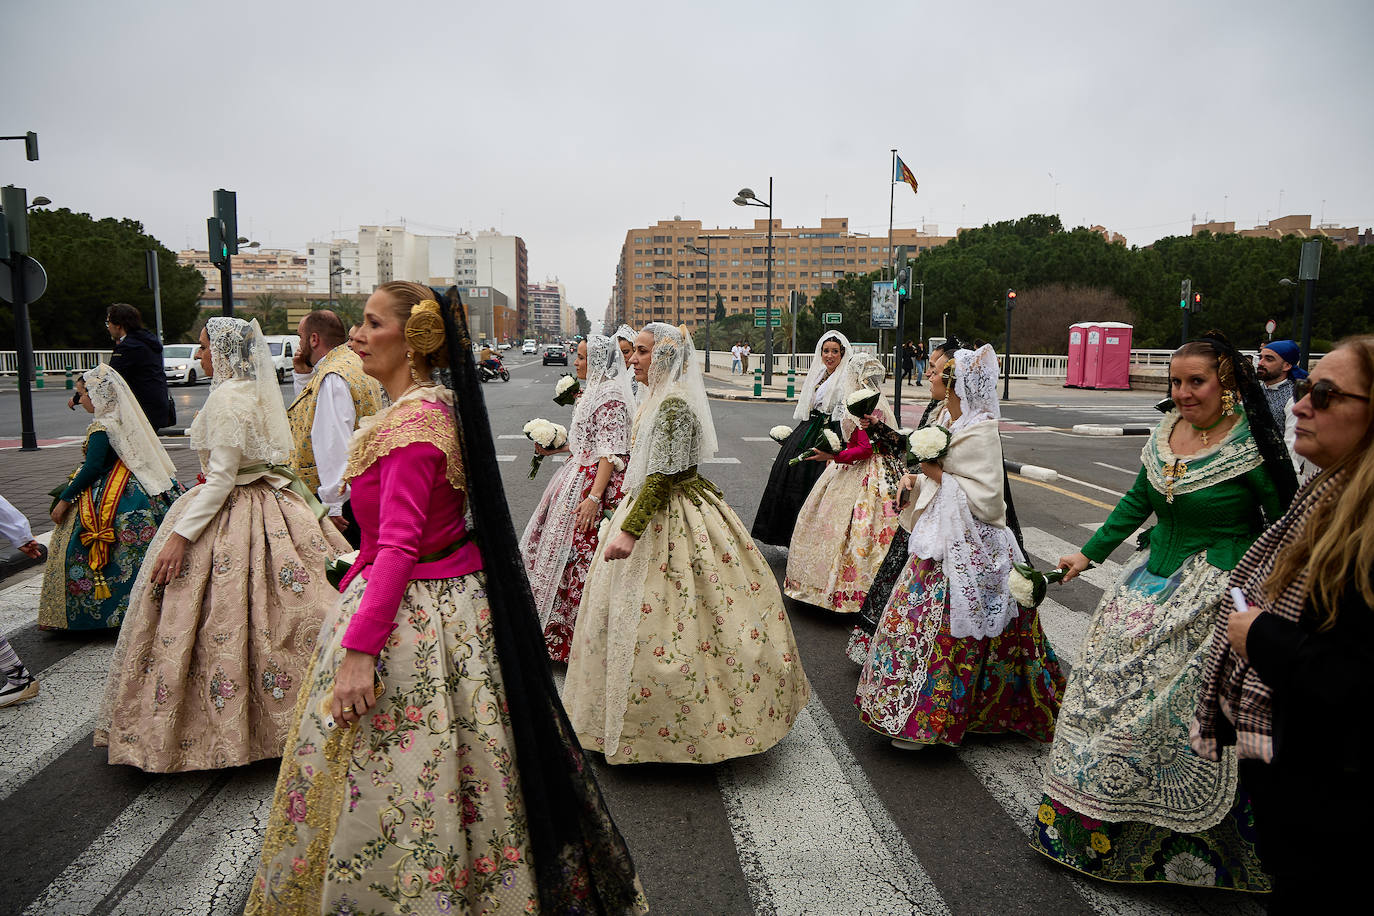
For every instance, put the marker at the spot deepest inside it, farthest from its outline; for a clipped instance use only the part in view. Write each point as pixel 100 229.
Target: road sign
pixel 35 280
pixel 773 313
pixel 832 317
pixel 1270 327
pixel 766 322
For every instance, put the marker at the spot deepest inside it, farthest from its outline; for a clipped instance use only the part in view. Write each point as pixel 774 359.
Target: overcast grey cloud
pixel 569 123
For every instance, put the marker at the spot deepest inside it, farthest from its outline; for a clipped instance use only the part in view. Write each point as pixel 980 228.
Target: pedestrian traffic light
pixel 900 282
pixel 1011 298
pixel 219 250
pixel 31 146
pixel 1185 293
pixel 226 210
pixel 1196 305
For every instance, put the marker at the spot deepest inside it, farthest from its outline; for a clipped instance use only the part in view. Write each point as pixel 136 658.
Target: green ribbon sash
pixel 296 485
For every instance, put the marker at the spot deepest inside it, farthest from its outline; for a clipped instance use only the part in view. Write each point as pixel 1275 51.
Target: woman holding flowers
pixel 1126 797
pixel 683 652
pixel 820 406
pixel 227 606
pixel 851 513
pixel 431 769
pixel 109 511
pixel 953 651
pixel 562 535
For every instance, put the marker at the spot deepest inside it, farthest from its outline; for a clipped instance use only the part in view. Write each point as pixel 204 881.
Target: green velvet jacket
pixel 1219 502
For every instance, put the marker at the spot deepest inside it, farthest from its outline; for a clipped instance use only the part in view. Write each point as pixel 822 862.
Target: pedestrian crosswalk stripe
pixel 1050 548
pixel 34 734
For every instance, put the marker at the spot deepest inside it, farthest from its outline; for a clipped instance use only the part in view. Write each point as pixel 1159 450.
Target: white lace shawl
pixel 607 382
pixel 245 409
pixel 962 523
pixel 817 381
pixel 673 373
pixel 131 436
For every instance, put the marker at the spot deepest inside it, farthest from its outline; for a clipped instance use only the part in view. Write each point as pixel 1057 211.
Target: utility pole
pixel 1006 369
pixel 1308 270
pixel 14 249
pixel 155 284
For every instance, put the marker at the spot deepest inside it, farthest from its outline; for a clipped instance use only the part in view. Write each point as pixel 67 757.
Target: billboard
pixel 883 305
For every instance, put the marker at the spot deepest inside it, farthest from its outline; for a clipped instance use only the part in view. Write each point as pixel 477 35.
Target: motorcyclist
pixel 490 359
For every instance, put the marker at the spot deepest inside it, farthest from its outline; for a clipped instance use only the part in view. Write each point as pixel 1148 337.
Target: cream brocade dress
pixel 683 652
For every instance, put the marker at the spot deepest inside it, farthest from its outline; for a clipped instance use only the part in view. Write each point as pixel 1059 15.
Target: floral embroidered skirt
pixel 924 685
pixel 1121 761
pixel 787 488
pixel 207 668
pixel 848 523
pixel 418 808
pixel 704 666
pixel 571 485
pixel 68 601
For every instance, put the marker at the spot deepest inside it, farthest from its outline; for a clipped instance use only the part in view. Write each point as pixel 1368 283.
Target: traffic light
pixel 31 146
pixel 1195 305
pixel 226 211
pixel 219 250
pixel 1011 299
pixel 899 283
pixel 1185 293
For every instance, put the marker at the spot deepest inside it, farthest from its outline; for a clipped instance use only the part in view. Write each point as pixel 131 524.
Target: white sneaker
pixel 18 691
pixel 903 744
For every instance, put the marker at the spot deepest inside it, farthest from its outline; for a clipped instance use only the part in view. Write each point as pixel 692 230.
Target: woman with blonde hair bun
pixel 1285 676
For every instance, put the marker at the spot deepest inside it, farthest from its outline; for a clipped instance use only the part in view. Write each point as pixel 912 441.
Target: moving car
pixel 179 363
pixel 504 346
pixel 530 347
pixel 554 353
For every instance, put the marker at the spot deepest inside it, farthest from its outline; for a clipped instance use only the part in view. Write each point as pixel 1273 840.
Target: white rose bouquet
pixel 862 402
pixel 1028 585
pixel 929 443
pixel 565 392
pixel 826 442
pixel 548 435
pixel 779 434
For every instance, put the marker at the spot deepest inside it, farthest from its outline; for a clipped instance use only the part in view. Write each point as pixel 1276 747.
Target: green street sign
pixel 832 318
pixel 772 313
pixel 765 322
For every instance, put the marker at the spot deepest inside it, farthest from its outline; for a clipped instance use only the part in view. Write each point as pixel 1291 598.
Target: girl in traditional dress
pixel 109 511
pixel 820 406
pixel 683 652
pixel 561 536
pixel 430 768
pixel 953 651
pixel 1126 798
pixel 225 612
pixel 851 514
pixel 625 340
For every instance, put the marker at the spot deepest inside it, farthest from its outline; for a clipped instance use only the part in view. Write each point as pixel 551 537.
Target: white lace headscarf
pixel 245 409
pixel 673 373
pixel 862 372
pixel 132 437
pixel 975 384
pixel 832 404
pixel 628 334
pixel 608 381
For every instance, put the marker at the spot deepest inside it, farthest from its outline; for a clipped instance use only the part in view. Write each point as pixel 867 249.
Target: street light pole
pixel 746 198
pixel 709 307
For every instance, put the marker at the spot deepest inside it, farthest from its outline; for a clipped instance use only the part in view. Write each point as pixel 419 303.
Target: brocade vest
pixel 367 400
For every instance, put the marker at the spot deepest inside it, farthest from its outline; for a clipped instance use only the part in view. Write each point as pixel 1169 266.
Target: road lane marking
pixel 1112 467
pixel 1065 629
pixel 756 439
pixel 505 457
pixel 1049 486
pixel 721 461
pixel 793 807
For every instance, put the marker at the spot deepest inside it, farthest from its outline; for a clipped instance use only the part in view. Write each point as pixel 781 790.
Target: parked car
pixel 283 347
pixel 179 363
pixel 504 346
pixel 553 353
pixel 530 347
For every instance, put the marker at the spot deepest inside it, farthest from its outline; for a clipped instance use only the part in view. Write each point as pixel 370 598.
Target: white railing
pixel 49 362
pixel 1022 365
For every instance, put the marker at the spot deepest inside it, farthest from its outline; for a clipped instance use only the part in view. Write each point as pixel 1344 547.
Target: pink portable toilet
pixel 1078 337
pixel 1107 355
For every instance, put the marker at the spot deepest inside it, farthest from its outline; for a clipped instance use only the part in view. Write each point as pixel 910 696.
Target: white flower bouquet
pixel 779 434
pixel 1028 585
pixel 827 442
pixel 862 402
pixel 929 443
pixel 565 391
pixel 545 434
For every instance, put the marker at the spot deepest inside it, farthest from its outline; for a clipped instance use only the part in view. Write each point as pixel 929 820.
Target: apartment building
pixel 1294 224
pixel 547 303
pixel 659 279
pixel 256 271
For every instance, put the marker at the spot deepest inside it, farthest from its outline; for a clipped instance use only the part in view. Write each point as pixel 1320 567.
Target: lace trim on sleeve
pixel 406 423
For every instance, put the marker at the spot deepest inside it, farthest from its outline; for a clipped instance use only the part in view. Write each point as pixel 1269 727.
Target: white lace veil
pixel 608 380
pixel 975 384
pixel 862 372
pixel 628 334
pixel 673 373
pixel 833 404
pixel 245 409
pixel 133 439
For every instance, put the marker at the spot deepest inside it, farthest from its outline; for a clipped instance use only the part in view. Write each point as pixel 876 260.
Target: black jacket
pixel 138 358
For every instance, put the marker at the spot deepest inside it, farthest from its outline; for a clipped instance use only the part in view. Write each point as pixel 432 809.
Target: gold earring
pixel 1228 403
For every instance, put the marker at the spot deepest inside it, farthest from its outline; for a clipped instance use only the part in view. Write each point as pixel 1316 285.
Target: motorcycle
pixel 491 369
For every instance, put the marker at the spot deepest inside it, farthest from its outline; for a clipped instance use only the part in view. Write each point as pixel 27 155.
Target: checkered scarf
pixel 1236 707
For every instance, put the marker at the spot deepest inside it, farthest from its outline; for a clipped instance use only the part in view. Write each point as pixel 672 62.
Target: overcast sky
pixel 569 123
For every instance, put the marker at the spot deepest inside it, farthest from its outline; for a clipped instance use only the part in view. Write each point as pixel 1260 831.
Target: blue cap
pixel 1288 352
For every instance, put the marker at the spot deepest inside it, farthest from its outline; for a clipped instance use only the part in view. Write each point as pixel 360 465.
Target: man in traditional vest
pixel 332 395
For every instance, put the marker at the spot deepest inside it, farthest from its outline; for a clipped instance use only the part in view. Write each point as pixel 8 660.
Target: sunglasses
pixel 1321 392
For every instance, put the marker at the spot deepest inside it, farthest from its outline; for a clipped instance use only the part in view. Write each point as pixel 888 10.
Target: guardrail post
pixel 758 381
pixel 71 382
pixel 791 383
pixel 37 374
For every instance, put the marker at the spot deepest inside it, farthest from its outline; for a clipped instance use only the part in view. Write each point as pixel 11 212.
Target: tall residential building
pixel 332 269
pixel 547 303
pixel 256 271
pixel 659 279
pixel 502 262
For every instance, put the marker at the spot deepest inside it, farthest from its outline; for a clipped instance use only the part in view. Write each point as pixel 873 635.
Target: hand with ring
pixel 167 566
pixel 354 693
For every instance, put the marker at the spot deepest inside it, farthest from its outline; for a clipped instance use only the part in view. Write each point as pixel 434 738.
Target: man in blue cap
pixel 1277 368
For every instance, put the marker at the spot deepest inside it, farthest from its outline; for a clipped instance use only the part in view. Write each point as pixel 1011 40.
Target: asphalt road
pixel 833 820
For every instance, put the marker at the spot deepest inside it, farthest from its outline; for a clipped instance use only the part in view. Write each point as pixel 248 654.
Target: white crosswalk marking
pixel 1050 548
pixel 721 461
pixel 1064 629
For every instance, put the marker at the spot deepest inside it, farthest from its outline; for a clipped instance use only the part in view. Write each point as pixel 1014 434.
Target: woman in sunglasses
pixel 1288 665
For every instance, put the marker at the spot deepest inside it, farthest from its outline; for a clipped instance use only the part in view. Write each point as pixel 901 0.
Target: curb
pixel 1092 429
pixel 729 396
pixel 1031 471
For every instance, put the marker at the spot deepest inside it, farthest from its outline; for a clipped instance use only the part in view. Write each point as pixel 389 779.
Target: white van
pixel 530 346
pixel 283 348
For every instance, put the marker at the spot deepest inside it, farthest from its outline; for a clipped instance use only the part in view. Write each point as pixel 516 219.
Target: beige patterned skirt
pixel 418 808
pixel 207 668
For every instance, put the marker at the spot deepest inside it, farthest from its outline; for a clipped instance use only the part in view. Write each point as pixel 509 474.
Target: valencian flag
pixel 904 174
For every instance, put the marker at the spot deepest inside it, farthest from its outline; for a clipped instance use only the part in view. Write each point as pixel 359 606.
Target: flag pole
pixel 891 192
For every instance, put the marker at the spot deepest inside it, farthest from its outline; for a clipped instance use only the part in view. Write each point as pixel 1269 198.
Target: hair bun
pixel 425 331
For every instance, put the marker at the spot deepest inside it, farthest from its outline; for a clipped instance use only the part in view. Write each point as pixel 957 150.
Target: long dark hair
pixel 577 848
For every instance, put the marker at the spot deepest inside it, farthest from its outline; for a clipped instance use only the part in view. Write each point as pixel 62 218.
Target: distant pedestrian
pixel 735 364
pixel 1277 370
pixel 920 361
pixel 908 362
pixel 744 352
pixel 138 357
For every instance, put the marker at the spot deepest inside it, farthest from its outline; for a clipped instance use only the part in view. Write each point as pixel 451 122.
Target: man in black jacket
pixel 138 358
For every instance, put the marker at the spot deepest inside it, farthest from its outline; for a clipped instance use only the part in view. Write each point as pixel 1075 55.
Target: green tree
pixel 91 264
pixel 584 324
pixel 270 310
